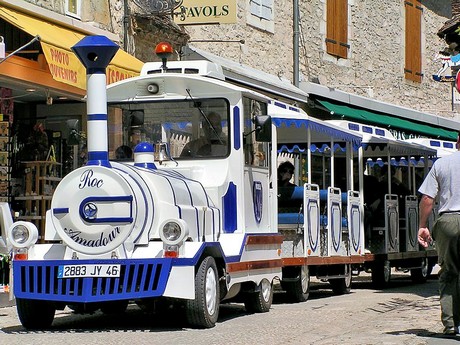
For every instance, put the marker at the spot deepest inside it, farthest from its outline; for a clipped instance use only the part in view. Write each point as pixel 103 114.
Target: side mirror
pixel 263 124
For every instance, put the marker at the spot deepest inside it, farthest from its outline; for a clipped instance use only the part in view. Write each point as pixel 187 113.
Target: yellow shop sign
pixel 206 12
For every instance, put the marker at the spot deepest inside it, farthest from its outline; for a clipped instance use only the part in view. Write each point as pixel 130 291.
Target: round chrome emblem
pixel 90 210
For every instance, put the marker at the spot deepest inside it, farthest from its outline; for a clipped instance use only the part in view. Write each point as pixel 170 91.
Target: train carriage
pixel 322 229
pixel 394 169
pixel 195 218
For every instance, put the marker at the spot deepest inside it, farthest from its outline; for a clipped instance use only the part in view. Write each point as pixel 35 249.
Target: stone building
pixel 375 54
pixel 376 47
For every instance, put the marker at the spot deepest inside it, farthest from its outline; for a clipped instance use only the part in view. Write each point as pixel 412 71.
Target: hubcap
pixel 304 279
pixel 386 270
pixel 211 291
pixel 347 276
pixel 266 289
pixel 424 267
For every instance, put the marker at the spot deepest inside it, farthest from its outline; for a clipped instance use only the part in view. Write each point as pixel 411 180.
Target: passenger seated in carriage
pixel 286 189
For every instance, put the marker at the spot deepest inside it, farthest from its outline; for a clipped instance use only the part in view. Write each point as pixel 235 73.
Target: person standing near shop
pixel 443 182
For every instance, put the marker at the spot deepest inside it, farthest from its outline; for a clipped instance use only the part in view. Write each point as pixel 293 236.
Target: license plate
pixel 82 271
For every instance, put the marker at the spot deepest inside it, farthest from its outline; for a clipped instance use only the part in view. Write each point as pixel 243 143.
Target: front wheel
pixel 203 311
pixel 260 300
pixel 35 314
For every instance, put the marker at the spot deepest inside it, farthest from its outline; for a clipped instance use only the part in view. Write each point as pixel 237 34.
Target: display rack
pixel 40 181
pixel 5 166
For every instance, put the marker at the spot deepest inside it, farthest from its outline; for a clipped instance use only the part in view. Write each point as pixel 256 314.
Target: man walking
pixel 443 181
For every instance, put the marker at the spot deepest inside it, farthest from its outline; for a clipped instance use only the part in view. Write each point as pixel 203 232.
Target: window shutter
pixel 267 9
pixel 337 28
pixel 256 7
pixel 413 52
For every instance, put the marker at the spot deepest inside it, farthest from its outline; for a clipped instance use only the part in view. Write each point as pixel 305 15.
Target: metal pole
pixel 296 42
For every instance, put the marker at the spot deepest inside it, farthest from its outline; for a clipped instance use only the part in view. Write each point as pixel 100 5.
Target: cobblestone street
pixel 403 314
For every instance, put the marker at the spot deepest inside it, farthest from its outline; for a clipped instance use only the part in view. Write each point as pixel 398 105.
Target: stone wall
pixel 103 14
pixel 376 35
pixel 376 63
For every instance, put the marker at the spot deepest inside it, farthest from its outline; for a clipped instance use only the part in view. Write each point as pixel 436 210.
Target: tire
pixel 35 314
pixel 260 300
pixel 114 307
pixel 420 275
pixel 203 311
pixel 381 274
pixel 342 286
pixel 299 290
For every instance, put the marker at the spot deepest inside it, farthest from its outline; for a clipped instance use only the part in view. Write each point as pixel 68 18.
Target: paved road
pixel 403 314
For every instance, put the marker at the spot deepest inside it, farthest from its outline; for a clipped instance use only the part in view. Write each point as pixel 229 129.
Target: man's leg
pixel 447 235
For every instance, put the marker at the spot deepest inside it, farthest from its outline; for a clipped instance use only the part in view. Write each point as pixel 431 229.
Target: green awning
pixel 388 122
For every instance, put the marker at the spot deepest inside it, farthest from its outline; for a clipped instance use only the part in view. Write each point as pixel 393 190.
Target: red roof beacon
pixel 164 50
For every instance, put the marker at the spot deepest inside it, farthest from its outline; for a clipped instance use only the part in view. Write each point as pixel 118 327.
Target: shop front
pixel 403 123
pixel 42 111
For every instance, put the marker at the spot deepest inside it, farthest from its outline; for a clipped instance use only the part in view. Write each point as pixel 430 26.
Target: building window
pixel 413 51
pixel 72 8
pixel 261 14
pixel 337 28
pixel 262 9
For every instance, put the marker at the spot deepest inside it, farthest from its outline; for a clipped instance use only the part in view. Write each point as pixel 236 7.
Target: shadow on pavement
pixel 134 319
pixel 427 334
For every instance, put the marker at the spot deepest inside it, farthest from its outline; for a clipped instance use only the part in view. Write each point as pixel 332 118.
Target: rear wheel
pixel 35 314
pixel 420 275
pixel 381 274
pixel 342 286
pixel 260 300
pixel 298 290
pixel 203 311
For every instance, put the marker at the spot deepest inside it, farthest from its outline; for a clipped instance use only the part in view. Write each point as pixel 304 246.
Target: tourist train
pixel 198 226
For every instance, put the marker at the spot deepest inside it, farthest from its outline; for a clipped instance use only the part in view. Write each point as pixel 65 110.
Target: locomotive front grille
pixel 138 279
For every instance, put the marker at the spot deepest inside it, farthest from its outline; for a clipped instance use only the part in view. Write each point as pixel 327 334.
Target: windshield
pixel 193 129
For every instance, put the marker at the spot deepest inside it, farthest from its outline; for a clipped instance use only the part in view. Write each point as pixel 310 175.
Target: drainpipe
pixel 125 25
pixel 295 50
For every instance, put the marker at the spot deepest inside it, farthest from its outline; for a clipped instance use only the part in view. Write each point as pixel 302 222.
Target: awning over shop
pixel 56 42
pixel 387 121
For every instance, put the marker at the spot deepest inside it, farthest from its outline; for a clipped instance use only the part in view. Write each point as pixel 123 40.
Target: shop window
pixel 337 28
pixel 261 14
pixel 413 47
pixel 73 8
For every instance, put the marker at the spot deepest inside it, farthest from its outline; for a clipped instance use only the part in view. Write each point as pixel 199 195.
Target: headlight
pixel 22 234
pixel 173 231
